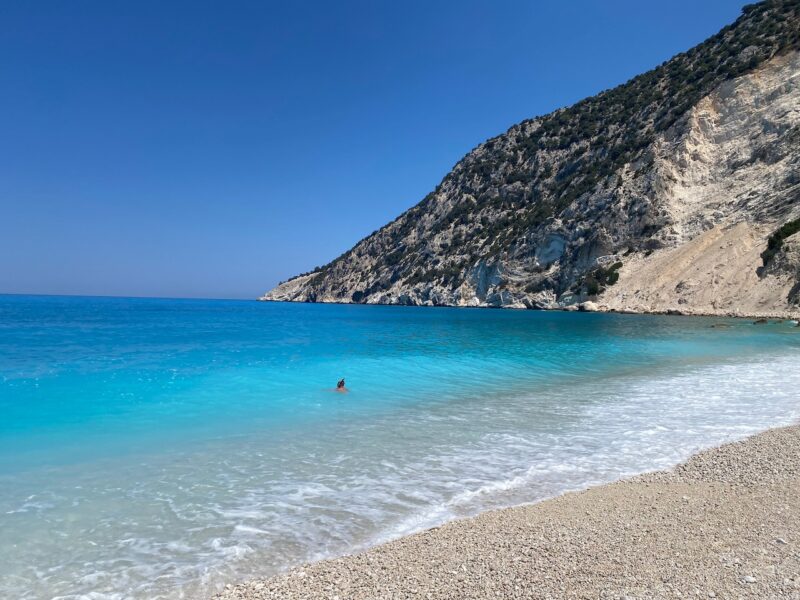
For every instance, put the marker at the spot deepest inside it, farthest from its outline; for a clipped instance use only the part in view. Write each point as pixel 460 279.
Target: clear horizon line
pixel 123 296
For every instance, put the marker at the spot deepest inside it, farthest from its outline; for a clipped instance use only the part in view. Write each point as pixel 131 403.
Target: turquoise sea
pixel 163 448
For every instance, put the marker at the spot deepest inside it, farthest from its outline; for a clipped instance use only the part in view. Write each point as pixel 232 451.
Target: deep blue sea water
pixel 162 448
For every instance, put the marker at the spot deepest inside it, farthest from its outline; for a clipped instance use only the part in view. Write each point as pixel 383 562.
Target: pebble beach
pixel 724 524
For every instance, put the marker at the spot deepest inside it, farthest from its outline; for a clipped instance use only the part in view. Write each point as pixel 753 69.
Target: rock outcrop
pixel 656 196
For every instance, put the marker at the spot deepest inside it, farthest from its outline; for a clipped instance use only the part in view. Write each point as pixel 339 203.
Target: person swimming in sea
pixel 340 385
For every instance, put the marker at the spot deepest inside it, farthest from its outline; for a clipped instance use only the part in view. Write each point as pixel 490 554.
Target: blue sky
pixel 211 149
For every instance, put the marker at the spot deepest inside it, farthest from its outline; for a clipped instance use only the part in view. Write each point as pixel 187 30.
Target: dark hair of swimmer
pixel 340 384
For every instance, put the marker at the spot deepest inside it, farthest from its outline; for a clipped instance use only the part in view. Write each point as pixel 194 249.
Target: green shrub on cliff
pixel 599 279
pixel 775 241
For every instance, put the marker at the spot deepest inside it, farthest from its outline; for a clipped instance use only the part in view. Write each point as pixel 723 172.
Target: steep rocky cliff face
pixel 658 195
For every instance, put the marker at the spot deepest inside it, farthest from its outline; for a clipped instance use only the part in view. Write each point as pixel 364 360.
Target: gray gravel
pixel 725 524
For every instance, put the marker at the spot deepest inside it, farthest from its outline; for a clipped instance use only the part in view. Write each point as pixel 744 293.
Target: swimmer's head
pixel 340 384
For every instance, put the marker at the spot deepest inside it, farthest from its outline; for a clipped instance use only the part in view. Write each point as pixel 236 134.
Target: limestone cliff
pixel 658 195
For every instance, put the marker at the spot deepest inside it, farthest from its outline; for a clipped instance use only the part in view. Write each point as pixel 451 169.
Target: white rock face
pixel 737 149
pixel 728 179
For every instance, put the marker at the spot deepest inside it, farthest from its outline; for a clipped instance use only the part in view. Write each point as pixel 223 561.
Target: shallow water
pixel 163 448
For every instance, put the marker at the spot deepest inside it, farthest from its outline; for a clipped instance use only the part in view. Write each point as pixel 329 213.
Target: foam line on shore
pixel 725 523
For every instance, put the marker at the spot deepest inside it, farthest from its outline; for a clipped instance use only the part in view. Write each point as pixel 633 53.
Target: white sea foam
pixel 181 527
